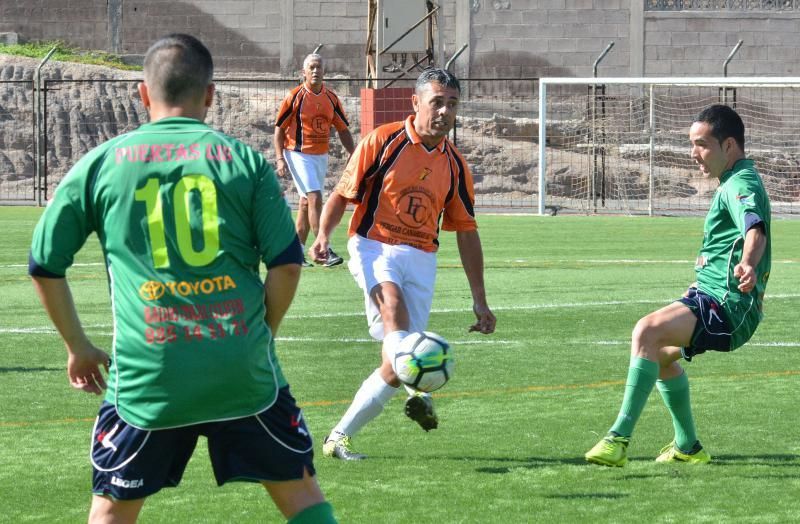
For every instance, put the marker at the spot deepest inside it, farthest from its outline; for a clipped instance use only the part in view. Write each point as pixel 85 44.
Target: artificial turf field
pixel 523 407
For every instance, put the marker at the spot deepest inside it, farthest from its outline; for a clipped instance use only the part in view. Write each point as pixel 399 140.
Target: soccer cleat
pixel 340 447
pixel 611 451
pixel 671 453
pixel 419 408
pixel 333 259
pixel 306 263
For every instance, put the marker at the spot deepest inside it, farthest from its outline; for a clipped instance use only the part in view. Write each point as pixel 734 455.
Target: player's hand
pixel 319 250
pixel 280 166
pixel 746 275
pixel 486 319
pixel 83 368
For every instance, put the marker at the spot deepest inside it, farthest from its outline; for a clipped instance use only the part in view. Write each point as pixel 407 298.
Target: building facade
pixel 507 38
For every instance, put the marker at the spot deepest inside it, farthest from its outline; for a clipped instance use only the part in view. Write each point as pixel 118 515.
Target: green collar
pixel 742 163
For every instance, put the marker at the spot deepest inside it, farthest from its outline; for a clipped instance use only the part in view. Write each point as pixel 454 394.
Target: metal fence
pixel 495 130
pixel 620 145
pixel 17 142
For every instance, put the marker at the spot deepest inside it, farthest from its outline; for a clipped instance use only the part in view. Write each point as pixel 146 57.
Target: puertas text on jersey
pixel 149 153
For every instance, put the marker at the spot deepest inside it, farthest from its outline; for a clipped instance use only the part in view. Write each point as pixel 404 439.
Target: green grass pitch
pixel 522 408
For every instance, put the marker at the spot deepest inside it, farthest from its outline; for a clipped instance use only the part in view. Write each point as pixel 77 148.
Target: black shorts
pixel 712 331
pixel 131 463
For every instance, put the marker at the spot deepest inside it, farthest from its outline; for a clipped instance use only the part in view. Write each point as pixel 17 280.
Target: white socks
pixel 368 403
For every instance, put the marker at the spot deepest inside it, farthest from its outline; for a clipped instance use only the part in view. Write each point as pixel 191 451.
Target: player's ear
pixel 415 102
pixel 210 94
pixel 144 93
pixel 728 144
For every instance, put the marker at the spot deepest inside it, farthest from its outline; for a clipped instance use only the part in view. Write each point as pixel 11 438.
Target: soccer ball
pixel 424 361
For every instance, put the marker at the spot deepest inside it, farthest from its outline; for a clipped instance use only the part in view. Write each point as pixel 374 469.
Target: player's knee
pixel 644 338
pixel 314 198
pixel 106 509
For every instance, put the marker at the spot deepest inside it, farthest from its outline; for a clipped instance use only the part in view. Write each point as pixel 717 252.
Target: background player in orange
pixel 404 178
pixel 301 145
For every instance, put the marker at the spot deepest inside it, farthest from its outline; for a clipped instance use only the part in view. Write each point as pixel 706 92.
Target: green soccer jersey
pixel 739 200
pixel 184 215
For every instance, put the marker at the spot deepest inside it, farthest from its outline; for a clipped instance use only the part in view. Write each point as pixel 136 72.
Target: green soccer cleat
pixel 611 451
pixel 671 453
pixel 340 447
pixel 419 408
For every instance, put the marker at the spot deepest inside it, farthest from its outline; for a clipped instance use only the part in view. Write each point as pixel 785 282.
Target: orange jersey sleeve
pixel 308 117
pixel 402 190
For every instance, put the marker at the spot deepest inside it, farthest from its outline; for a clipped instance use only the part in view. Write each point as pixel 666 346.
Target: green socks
pixel 642 375
pixel 321 513
pixel 675 393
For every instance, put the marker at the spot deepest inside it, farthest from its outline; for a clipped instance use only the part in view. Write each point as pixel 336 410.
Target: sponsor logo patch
pixel 125 483
pixel 153 290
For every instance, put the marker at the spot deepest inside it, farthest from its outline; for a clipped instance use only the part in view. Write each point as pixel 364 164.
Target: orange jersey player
pixel 302 130
pixel 405 179
pixel 400 198
pixel 307 117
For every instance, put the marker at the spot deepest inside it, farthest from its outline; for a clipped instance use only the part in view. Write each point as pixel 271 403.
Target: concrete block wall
pixel 341 25
pixel 242 35
pixel 82 23
pixel 507 38
pixel 535 38
pixel 697 43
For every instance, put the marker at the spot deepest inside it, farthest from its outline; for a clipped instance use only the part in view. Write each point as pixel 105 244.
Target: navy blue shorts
pixel 131 463
pixel 712 331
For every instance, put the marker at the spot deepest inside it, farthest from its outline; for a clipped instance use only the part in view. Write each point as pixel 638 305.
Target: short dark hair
pixel 725 123
pixel 178 67
pixel 435 75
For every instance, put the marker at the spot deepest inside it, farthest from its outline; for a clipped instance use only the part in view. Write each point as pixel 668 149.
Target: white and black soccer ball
pixel 424 361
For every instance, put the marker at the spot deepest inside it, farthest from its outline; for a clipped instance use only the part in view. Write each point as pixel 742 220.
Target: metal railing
pixel 495 129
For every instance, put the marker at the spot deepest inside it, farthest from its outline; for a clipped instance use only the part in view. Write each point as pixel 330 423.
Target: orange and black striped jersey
pixel 403 190
pixel 308 117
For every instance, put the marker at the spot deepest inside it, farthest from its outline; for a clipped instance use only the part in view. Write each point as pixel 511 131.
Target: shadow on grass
pixel 526 463
pixel 585 496
pixel 778 459
pixel 20 369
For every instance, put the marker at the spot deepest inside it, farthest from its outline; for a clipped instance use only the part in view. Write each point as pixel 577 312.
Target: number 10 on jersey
pixel 150 194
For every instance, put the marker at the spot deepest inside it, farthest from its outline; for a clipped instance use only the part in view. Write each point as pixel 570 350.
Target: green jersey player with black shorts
pixel 185 215
pixel 719 312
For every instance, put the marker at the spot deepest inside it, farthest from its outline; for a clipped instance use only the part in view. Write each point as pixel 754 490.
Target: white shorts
pixel 308 171
pixel 414 272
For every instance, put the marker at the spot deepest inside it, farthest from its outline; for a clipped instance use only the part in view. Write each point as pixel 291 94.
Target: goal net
pixel 619 145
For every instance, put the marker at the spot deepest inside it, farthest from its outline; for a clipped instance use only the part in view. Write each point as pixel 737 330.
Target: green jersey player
pixel 185 216
pixel 720 311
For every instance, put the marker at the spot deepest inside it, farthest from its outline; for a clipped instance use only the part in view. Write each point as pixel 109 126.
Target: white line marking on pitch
pixel 516 261
pixel 51 331
pixel 523 307
pixel 755 344
pixel 86 264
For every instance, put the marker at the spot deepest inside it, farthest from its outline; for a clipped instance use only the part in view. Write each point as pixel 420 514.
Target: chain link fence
pixel 496 129
pixel 17 142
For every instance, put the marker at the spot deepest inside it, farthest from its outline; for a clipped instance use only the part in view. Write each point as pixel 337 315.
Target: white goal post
pixel 620 145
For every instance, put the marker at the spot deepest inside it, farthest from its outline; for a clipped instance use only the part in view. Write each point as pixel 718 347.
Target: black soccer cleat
pixel 419 408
